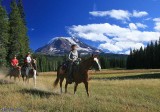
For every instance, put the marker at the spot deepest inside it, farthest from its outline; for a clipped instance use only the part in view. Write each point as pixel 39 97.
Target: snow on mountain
pixel 61 46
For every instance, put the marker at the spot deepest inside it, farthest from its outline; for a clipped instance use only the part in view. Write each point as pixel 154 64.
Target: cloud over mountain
pixel 114 38
pixel 119 14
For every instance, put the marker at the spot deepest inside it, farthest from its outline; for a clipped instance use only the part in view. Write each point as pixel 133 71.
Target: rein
pixel 86 64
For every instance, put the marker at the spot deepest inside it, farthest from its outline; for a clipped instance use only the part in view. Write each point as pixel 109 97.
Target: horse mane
pixel 85 63
pixel 84 60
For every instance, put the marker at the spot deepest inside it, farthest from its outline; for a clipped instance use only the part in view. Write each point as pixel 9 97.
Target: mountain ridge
pixel 61 46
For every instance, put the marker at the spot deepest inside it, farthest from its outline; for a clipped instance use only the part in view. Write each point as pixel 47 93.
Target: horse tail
pixel 58 77
pixel 7 75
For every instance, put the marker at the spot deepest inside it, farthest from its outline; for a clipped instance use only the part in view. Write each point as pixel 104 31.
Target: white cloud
pixel 156 19
pixel 135 26
pixel 132 26
pixel 140 25
pixel 129 44
pixel 127 52
pixel 157 24
pixel 147 19
pixel 110 47
pixel 139 13
pixel 157 27
pixel 113 37
pixel 119 14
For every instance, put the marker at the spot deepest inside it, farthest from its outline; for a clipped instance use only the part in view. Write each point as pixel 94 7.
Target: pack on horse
pixel 80 73
pixel 29 69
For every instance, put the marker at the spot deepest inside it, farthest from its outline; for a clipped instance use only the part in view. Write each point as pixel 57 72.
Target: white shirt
pixel 29 59
pixel 73 55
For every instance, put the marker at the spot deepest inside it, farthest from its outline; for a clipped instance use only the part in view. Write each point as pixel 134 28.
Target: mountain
pixel 62 45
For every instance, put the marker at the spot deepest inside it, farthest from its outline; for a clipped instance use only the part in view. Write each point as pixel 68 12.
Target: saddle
pixel 16 68
pixel 65 65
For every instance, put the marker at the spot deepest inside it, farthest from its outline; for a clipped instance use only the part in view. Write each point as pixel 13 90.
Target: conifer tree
pixel 17 32
pixel 21 10
pixel 148 57
pixel 4 35
pixel 22 13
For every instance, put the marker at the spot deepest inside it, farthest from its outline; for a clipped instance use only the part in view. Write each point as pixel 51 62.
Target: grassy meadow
pixel 121 91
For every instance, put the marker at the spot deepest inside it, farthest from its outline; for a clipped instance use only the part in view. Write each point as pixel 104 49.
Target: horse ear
pixel 92 55
pixel 96 56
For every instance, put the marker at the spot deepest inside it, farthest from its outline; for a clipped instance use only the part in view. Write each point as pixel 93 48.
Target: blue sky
pixel 112 25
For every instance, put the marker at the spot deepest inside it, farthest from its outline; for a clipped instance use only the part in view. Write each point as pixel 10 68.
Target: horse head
pixel 96 63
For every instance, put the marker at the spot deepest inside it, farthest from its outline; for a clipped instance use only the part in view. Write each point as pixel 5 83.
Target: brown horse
pixel 80 75
pixel 15 72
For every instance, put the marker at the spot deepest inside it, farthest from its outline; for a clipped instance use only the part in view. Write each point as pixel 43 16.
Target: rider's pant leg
pixel 27 71
pixel 70 70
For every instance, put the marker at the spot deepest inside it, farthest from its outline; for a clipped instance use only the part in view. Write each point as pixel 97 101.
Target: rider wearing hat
pixel 73 56
pixel 28 61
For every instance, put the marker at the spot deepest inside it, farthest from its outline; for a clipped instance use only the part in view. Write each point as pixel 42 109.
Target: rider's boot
pixel 69 77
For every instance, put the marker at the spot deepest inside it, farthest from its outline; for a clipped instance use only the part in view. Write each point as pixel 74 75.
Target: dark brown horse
pixel 15 72
pixel 80 75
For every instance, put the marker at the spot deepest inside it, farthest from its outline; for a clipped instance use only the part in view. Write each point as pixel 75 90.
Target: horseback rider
pixel 28 61
pixel 73 57
pixel 15 63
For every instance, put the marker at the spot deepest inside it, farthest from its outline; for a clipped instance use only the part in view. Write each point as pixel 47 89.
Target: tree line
pixel 47 63
pixel 145 58
pixel 112 62
pixel 13 33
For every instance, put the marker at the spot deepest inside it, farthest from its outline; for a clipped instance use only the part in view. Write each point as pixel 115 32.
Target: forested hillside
pixel 13 33
pixel 148 57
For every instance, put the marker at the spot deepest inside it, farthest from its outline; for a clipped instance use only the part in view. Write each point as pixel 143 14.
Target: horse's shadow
pixel 141 76
pixel 38 92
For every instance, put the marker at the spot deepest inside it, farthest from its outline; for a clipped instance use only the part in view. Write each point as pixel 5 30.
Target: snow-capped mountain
pixel 62 45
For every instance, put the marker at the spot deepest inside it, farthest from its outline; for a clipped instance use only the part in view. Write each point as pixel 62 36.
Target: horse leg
pixel 23 78
pixel 66 87
pixel 27 79
pixel 34 78
pixel 75 88
pixel 20 74
pixel 14 78
pixel 86 86
pixel 61 81
pixel 19 77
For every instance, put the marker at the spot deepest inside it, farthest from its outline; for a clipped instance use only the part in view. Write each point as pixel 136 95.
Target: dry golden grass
pixel 112 71
pixel 116 92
